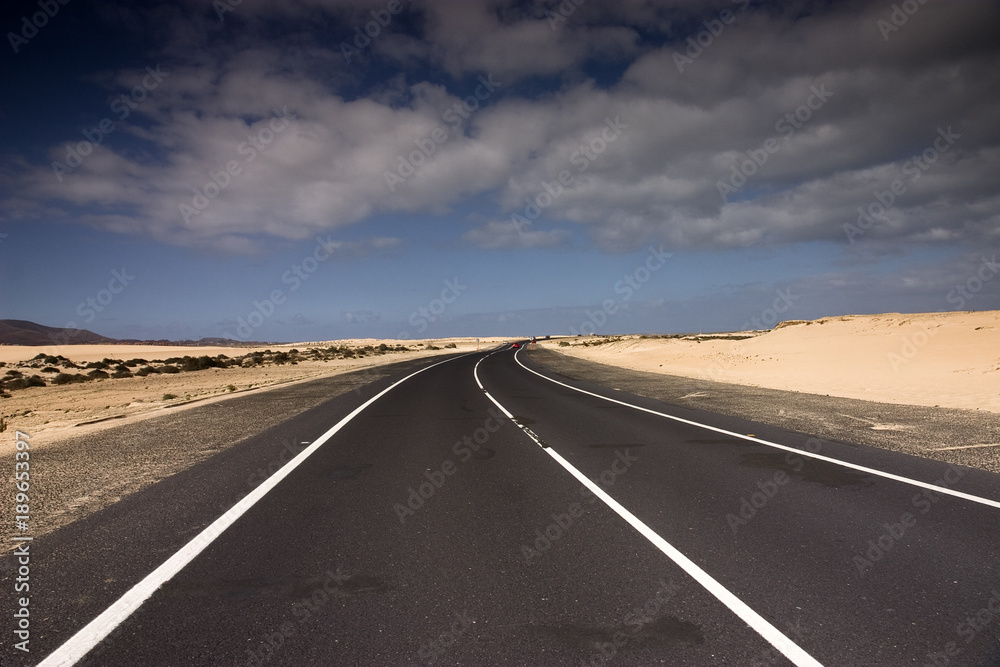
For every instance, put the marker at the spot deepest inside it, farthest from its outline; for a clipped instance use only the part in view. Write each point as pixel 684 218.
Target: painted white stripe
pixel 77 646
pixel 872 471
pixel 758 623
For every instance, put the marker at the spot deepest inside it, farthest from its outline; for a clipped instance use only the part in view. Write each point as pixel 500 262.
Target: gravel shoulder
pixel 963 437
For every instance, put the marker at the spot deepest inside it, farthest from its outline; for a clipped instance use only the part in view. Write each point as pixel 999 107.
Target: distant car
pixel 516 345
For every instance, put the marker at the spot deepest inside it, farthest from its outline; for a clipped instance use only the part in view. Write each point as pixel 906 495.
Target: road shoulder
pixel 943 434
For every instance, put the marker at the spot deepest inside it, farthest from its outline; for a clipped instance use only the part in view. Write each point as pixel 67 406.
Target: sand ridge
pixel 947 359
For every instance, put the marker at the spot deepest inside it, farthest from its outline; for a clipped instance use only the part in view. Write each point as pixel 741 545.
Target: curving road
pixel 485 511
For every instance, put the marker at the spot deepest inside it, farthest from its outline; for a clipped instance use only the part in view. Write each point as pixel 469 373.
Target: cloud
pixel 203 162
pixel 506 234
pixel 360 316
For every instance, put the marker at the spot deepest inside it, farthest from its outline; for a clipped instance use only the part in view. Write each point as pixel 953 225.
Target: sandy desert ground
pixel 53 413
pixel 932 359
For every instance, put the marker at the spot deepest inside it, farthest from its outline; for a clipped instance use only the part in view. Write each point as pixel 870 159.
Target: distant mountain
pixel 22 332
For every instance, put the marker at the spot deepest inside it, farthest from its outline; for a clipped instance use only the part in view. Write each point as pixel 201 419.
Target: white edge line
pixel 77 646
pixel 820 457
pixel 758 623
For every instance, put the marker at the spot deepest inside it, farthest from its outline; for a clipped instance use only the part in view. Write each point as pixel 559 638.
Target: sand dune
pixel 933 359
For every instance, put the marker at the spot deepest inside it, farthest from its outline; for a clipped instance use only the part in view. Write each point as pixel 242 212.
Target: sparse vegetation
pixel 69 378
pixel 169 397
pixel 58 365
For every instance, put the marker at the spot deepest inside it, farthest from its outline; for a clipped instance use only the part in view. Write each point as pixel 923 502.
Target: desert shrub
pixel 122 374
pixel 14 374
pixel 451 346
pixel 280 358
pixel 198 364
pixel 132 363
pixel 69 378
pixel 51 359
pixel 168 369
pixel 563 343
pixel 169 397
pixel 231 387
pixel 98 374
pixel 35 381
pixel 50 369
pixel 432 347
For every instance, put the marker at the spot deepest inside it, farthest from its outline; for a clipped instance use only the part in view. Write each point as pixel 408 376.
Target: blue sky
pixel 259 171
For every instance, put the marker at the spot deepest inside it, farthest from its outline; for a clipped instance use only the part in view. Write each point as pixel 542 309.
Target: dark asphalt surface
pixel 431 531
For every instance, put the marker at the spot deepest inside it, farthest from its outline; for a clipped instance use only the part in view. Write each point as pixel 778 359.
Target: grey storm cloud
pixel 746 125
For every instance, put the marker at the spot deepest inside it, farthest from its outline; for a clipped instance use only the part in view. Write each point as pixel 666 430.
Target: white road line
pixel 853 466
pixel 758 623
pixel 77 646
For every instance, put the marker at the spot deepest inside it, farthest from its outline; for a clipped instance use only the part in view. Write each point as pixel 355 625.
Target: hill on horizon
pixel 23 332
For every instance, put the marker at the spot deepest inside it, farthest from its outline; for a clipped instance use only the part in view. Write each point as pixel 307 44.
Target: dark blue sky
pixel 492 168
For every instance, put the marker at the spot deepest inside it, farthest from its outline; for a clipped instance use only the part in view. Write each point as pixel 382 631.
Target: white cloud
pixel 658 180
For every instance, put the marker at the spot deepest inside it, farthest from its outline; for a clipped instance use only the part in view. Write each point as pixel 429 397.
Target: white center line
pixel 819 457
pixel 758 623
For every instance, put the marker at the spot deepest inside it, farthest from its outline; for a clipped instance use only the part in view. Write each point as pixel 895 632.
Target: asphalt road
pixel 431 527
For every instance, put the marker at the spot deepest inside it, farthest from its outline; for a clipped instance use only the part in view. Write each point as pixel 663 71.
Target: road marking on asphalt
pixel 758 623
pixel 854 466
pixel 77 646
